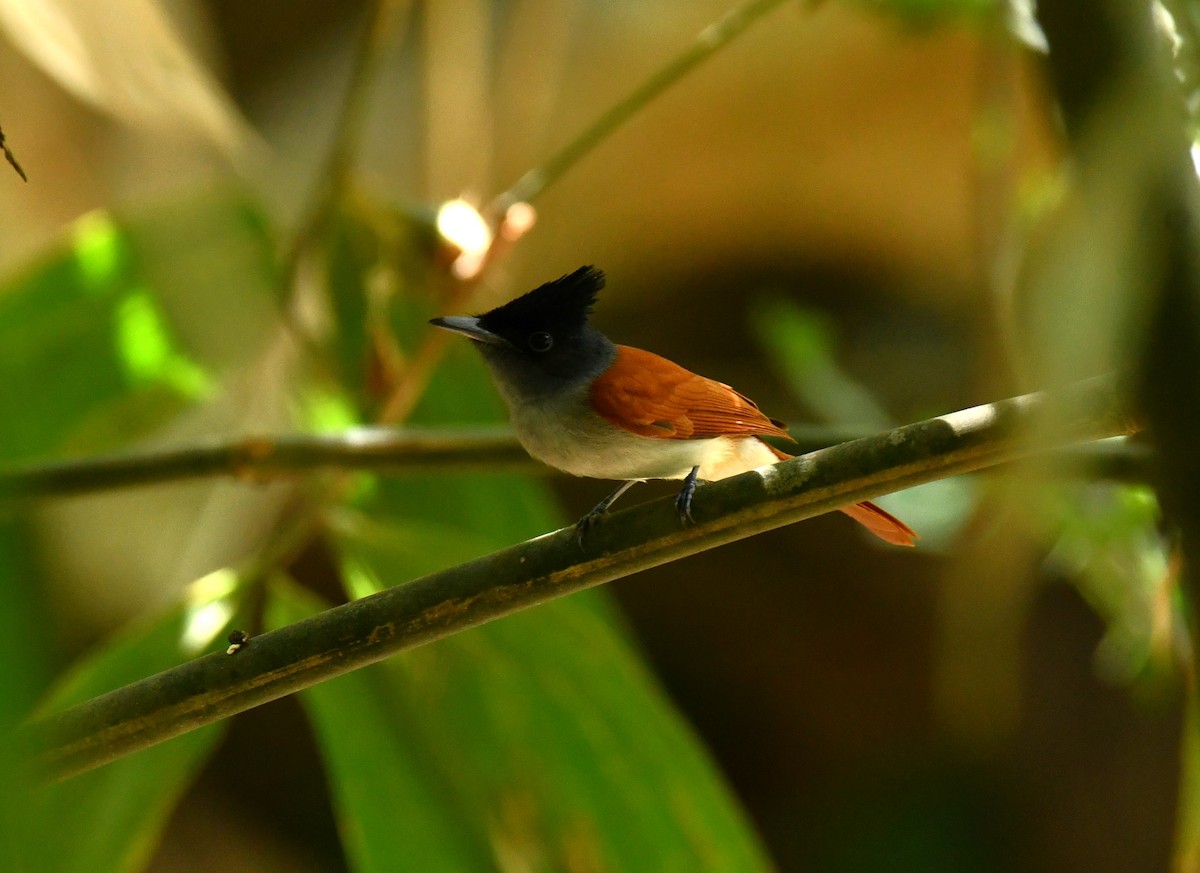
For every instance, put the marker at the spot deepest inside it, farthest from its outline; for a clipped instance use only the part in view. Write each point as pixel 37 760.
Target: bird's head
pixel 541 341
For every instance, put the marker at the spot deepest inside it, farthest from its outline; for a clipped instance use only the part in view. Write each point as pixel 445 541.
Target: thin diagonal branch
pixel 355 634
pixel 10 157
pixel 710 40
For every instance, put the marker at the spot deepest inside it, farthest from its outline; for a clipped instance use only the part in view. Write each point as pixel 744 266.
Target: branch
pixel 708 42
pixel 355 634
pixel 10 157
pixel 258 459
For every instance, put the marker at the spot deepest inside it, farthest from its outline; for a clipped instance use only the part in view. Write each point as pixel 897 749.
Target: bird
pixel 582 404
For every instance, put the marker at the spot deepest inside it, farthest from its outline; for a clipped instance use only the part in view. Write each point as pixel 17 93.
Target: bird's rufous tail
pixel 882 523
pixel 874 518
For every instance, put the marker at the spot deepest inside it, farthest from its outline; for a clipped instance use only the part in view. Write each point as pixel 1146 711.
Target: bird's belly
pixel 584 444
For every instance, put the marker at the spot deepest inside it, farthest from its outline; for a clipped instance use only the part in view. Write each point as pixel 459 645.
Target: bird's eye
pixel 541 341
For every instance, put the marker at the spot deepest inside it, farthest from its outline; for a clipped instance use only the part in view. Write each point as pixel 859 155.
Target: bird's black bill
pixel 468 326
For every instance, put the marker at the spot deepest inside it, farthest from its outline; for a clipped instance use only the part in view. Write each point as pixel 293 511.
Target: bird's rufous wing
pixel 650 396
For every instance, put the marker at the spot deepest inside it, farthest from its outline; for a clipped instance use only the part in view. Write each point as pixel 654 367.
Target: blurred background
pixel 836 214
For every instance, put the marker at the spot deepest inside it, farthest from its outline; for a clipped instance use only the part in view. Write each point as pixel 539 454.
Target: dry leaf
pixel 125 58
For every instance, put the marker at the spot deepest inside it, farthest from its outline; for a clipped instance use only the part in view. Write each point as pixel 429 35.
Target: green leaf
pixel 538 741
pixel 374 255
pixel 209 263
pixel 801 343
pixel 105 337
pixel 26 658
pixel 1111 546
pixel 354 250
pixel 392 812
pixel 147 352
pixel 57 357
pixel 124 323
pixel 110 818
pixel 26 650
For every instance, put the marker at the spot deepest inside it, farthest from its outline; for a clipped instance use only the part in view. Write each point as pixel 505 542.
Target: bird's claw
pixel 585 524
pixel 683 507
pixel 683 500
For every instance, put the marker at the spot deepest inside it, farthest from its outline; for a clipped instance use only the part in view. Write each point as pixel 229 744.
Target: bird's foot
pixel 683 501
pixel 589 521
pixel 600 510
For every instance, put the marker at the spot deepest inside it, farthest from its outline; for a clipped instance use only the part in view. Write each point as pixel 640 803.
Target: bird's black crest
pixel 561 306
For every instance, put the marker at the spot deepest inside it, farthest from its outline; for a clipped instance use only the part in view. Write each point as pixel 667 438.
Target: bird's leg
pixel 586 523
pixel 683 502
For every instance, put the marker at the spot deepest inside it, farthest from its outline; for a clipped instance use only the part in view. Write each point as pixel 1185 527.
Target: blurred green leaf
pixel 108 335
pixel 374 256
pixel 328 411
pixel 110 818
pixel 104 338
pixel 354 250
pixel 1109 544
pixel 146 349
pixel 26 660
pixel 554 748
pixel 939 511
pixel 58 362
pixel 538 740
pixel 801 343
pixel 26 629
pixel 209 263
pixel 393 812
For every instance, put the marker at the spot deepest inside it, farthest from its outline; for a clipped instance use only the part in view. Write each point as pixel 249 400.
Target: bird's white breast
pixel 565 433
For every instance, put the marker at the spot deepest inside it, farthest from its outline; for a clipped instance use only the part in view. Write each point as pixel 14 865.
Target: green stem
pixel 710 40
